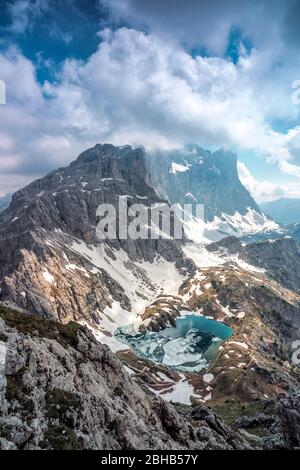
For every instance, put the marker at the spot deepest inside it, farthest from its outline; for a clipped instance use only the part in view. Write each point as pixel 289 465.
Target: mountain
pixel 145 299
pixel 294 231
pixel 61 389
pixel 279 259
pixel 51 259
pixel 254 362
pixel 284 211
pixel 195 175
pixel 5 201
pixel 51 255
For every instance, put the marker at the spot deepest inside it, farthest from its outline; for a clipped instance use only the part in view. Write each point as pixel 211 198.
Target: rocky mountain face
pixel 194 175
pixel 51 259
pixel 42 272
pixel 279 258
pixel 255 363
pixel 61 389
pixel 294 231
pixel 288 411
pixel 66 200
pixel 53 264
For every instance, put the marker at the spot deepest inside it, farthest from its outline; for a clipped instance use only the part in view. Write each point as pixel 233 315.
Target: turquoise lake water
pixel 190 346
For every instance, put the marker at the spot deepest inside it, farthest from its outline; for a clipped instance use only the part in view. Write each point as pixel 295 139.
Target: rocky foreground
pixel 61 389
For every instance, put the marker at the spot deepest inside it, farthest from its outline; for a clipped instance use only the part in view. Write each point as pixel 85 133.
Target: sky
pixel 157 73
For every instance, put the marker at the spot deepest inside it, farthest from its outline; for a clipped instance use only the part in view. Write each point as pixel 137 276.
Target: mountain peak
pixel 104 151
pixel 209 178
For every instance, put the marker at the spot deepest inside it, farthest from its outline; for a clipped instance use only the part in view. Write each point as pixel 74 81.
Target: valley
pixel 208 320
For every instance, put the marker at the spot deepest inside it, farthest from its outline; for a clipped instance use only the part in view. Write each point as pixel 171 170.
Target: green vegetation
pixel 61 411
pixel 59 403
pixel 231 410
pixel 66 335
pixel 60 437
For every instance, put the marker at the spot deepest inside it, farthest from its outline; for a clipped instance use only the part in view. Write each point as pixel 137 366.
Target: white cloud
pixel 205 23
pixel 138 89
pixel 264 191
pixel 10 183
pixel 61 35
pixel 138 86
pixel 23 12
pixel 31 140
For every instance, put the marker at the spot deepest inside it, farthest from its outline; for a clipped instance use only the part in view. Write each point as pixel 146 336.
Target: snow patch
pixel 147 278
pixel 208 378
pixel 129 371
pixel 208 397
pixel 71 267
pixel 241 315
pixel 178 168
pixel 3 349
pixel 239 343
pixel 181 393
pixel 191 196
pixel 48 277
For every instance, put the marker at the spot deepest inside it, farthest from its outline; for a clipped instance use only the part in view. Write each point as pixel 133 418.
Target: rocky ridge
pixel 278 259
pixel 53 264
pixel 194 175
pixel 51 259
pixel 256 361
pixel 61 389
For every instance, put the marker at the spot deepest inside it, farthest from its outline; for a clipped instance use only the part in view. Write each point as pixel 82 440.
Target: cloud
pixel 138 88
pixel 205 23
pixel 143 90
pixel 27 132
pixel 61 35
pixel 23 12
pixel 264 191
